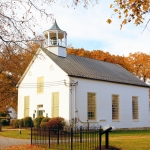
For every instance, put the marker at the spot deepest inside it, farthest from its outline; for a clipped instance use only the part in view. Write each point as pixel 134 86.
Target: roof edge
pixel 146 86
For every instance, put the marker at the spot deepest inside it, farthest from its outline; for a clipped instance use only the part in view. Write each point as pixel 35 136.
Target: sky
pixel 88 29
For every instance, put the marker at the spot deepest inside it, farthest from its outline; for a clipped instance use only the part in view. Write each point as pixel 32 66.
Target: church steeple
pixel 56 40
pixel 55 26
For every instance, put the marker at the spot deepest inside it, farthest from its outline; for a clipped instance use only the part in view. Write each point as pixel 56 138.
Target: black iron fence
pixel 79 138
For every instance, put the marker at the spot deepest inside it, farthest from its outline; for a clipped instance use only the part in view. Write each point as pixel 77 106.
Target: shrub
pixel 28 122
pixel 37 121
pixel 21 123
pixel 16 123
pixel 56 123
pixel 5 122
pixel 43 125
pixel 45 119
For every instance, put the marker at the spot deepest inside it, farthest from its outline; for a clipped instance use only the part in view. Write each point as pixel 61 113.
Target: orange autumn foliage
pixel 13 64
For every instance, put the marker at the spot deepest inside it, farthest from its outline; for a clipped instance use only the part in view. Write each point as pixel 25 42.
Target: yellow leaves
pixel 124 21
pixel 115 10
pixel 109 21
pixel 25 147
pixel 120 26
pixel 131 1
pixel 145 7
pixel 131 10
pixel 126 11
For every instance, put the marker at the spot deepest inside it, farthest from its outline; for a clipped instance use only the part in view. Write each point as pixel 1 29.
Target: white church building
pixel 79 89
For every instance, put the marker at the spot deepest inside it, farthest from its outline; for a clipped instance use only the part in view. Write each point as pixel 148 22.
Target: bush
pixel 5 122
pixel 37 121
pixel 28 122
pixel 16 123
pixel 56 123
pixel 43 125
pixel 45 119
pixel 21 123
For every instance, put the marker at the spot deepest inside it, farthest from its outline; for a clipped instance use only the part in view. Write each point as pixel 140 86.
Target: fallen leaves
pixel 25 147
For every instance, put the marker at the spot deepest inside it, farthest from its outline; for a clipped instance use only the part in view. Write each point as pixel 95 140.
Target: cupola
pixel 56 40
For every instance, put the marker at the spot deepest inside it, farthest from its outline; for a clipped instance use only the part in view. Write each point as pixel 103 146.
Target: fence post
pixel 58 136
pixel 88 126
pixel 106 139
pixel 31 135
pixel 100 138
pixel 71 138
pixel 49 137
pixel 81 134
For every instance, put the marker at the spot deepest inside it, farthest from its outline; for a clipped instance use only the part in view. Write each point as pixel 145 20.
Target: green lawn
pixel 25 133
pixel 125 140
pixel 131 140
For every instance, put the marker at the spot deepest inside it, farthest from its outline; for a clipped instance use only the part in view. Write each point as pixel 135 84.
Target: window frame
pixel 137 108
pixel 118 108
pixel 95 110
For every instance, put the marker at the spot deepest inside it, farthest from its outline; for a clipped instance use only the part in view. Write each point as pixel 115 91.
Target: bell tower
pixel 56 40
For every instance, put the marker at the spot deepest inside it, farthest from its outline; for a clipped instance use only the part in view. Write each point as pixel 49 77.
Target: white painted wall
pixel 104 91
pixel 44 66
pixel 60 51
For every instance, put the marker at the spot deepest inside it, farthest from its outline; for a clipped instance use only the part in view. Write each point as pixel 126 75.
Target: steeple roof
pixel 55 26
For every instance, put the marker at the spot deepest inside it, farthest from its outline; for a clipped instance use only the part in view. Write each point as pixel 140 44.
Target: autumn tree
pixel 140 65
pixel 13 63
pixel 131 10
pixel 102 56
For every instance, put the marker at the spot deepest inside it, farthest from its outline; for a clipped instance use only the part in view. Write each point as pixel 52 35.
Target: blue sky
pixel 88 29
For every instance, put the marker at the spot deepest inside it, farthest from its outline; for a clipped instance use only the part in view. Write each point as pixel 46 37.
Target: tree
pixel 13 63
pixel 17 20
pixel 140 65
pixel 102 56
pixel 131 10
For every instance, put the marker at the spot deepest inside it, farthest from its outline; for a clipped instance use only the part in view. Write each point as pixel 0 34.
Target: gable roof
pixel 94 69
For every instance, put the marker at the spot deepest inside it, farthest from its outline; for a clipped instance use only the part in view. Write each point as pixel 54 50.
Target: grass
pixel 25 133
pixel 131 140
pixel 125 140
